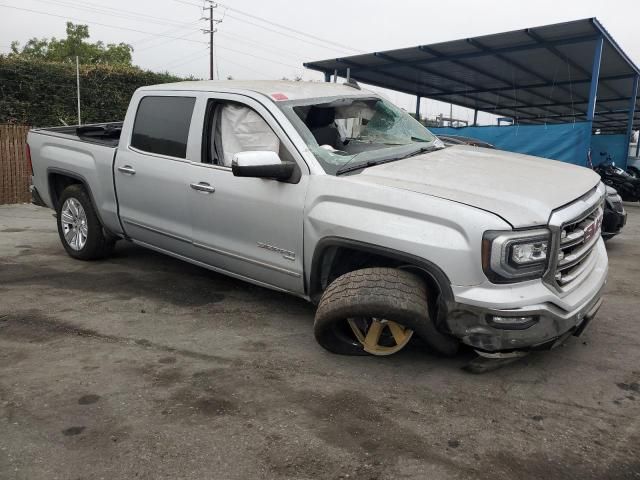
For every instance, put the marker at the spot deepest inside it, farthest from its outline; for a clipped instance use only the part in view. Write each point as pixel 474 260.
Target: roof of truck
pixel 278 90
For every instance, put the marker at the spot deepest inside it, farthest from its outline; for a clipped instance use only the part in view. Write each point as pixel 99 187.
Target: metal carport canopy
pixel 536 75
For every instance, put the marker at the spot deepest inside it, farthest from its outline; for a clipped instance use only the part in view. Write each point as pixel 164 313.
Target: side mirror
pixel 259 164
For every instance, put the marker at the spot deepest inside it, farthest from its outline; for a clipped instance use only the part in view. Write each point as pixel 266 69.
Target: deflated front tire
pixel 376 311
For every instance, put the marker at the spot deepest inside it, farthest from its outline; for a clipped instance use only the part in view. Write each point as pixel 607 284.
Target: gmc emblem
pixel 593 228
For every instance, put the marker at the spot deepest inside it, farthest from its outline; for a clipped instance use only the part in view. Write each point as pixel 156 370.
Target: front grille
pixel 577 241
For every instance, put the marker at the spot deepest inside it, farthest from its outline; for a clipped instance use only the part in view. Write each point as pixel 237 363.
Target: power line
pixel 279 32
pixel 152 37
pixel 182 60
pixel 242 66
pixel 98 23
pixel 141 14
pixel 309 42
pixel 297 67
pixel 141 17
pixel 299 32
pixel 138 50
pixel 150 33
pixel 276 31
pixel 127 14
pixel 155 35
pixel 289 53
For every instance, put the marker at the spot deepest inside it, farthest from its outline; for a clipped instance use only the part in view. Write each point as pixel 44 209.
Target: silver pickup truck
pixel 333 194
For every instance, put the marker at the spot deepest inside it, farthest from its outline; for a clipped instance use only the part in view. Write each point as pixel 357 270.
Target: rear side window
pixel 162 125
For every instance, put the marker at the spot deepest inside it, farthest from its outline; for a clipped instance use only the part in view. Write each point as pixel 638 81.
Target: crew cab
pixel 332 193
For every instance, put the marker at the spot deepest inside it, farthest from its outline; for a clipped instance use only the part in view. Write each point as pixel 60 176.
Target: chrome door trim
pixel 157 155
pixel 212 249
pixel 155 230
pixel 248 260
pixel 211 165
pixel 219 270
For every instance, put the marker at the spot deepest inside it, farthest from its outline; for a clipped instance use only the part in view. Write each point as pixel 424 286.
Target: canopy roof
pixel 535 75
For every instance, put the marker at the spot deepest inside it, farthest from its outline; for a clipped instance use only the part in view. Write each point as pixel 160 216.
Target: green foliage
pixel 41 93
pixel 66 49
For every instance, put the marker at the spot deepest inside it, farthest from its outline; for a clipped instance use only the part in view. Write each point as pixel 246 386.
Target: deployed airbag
pixel 242 130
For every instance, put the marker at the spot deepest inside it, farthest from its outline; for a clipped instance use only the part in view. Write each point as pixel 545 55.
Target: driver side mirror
pixel 261 164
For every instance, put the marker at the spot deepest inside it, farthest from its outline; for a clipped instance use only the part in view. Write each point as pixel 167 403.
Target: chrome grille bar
pixel 573 238
pixel 570 227
pixel 578 255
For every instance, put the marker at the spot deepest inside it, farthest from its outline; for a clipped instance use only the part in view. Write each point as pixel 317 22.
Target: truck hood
pixel 521 189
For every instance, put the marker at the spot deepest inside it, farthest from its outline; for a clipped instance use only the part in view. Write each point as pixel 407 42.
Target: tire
pixel 97 244
pixel 388 293
pixel 634 172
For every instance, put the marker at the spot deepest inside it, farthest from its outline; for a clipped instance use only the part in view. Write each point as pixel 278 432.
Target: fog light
pixel 512 323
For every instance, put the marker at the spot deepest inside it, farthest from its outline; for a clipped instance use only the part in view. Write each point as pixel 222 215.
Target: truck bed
pixel 85 153
pixel 107 134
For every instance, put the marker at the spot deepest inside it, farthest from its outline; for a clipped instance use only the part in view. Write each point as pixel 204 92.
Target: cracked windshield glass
pixel 351 133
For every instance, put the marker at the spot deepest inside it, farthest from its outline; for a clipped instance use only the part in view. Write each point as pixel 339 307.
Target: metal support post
pixel 632 111
pixel 595 74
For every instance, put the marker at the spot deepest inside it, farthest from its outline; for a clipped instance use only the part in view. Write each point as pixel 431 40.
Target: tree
pixel 65 50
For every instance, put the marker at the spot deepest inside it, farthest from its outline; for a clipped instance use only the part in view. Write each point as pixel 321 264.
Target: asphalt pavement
pixel 142 366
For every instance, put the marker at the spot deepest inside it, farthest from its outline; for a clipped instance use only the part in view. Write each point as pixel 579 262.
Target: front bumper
pixel 613 223
pixel 468 316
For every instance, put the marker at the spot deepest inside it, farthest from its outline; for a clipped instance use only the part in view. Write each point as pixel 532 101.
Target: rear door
pixel 251 227
pixel 150 172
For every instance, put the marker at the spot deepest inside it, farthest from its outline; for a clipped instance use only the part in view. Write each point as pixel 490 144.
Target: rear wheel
pixel 80 230
pixel 634 172
pixel 377 311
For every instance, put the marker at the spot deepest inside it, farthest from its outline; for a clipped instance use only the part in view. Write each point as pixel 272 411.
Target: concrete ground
pixel 142 366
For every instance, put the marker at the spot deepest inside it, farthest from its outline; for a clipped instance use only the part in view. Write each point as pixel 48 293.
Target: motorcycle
pixel 627 186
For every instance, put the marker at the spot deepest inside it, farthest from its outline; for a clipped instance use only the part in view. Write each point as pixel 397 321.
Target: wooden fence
pixel 14 169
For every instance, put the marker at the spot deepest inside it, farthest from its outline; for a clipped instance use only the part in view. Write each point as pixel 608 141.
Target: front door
pixel 250 227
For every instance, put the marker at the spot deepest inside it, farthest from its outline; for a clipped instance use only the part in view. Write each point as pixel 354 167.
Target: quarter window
pixel 162 125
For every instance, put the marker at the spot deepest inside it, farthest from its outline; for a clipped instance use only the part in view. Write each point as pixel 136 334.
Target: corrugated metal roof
pixel 535 75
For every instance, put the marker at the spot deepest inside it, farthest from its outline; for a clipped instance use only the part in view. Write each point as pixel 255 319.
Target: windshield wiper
pixel 430 148
pixel 372 163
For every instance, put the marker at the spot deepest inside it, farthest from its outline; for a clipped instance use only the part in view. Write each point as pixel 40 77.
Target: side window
pixel 232 127
pixel 162 125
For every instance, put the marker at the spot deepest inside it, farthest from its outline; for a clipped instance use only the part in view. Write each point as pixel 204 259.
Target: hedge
pixel 43 94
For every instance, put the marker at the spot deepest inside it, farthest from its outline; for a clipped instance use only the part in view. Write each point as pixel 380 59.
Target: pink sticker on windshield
pixel 279 96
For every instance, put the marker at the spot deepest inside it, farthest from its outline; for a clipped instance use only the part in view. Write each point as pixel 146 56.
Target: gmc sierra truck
pixel 332 193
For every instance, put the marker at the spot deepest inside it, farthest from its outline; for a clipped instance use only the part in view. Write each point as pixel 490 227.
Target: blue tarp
pixel 613 146
pixel 568 142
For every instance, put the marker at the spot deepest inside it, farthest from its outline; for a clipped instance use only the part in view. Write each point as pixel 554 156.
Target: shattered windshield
pixel 347 133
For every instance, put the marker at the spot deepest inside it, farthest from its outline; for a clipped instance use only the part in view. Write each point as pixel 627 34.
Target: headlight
pixel 612 195
pixel 614 198
pixel 514 256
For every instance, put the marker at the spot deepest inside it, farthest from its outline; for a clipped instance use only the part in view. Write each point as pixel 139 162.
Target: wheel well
pixel 57 183
pixel 335 260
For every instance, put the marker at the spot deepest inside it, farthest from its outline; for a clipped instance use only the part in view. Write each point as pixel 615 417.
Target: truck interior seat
pixel 321 123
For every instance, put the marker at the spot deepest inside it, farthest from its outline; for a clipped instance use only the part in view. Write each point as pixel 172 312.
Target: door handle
pixel 128 169
pixel 202 187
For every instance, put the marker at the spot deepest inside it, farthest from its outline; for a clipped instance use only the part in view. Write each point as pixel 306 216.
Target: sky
pixel 250 43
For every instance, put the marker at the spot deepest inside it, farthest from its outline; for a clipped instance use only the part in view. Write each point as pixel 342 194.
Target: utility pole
pixel 211 42
pixel 211 31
